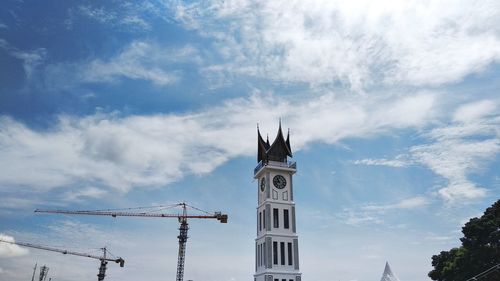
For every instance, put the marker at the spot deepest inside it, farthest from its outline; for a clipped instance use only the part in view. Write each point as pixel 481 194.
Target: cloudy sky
pixel 393 109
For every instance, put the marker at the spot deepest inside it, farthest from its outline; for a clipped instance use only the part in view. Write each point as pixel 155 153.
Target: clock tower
pixel 276 245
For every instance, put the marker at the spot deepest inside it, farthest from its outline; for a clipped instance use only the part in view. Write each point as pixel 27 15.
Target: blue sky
pixel 393 109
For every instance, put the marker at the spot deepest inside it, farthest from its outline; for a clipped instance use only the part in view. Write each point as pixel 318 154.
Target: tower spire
pixel 278 151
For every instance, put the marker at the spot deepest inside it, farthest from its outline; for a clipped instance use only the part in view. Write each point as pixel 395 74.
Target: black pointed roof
pixel 278 151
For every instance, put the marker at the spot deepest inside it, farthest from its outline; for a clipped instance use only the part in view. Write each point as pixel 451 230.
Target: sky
pixel 393 109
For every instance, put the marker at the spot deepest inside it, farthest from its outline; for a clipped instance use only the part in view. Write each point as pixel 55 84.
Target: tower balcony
pixel 288 165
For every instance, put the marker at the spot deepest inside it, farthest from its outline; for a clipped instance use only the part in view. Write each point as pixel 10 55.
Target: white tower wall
pixel 276 245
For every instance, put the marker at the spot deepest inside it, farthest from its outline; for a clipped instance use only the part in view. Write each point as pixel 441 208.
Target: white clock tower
pixel 276 245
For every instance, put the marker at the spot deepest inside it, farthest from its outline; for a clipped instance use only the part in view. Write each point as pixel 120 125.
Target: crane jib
pixel 221 217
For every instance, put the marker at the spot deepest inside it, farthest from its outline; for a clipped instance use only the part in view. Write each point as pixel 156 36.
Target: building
pixel 276 245
pixel 388 275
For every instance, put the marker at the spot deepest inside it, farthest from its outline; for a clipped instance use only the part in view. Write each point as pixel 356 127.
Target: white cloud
pixel 136 21
pixel 457 190
pixel 123 16
pixel 374 213
pixel 89 192
pixel 405 204
pixel 399 161
pixel 474 111
pixel 84 233
pixel 453 159
pixel 10 250
pixel 17 203
pixel 438 238
pixel 456 150
pixel 140 60
pixel 125 152
pixel 456 153
pixel 356 42
pixel 329 118
pixel 355 218
pixel 371 256
pixel 99 14
pixel 31 59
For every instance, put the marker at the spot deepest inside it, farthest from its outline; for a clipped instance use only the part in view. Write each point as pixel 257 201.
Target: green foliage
pixel 480 250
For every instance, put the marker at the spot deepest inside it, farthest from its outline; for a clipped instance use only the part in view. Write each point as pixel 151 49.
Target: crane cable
pixel 200 210
pixel 485 273
pixel 137 208
pixel 153 209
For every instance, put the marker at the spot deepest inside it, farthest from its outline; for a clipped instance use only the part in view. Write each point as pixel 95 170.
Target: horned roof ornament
pixel 278 151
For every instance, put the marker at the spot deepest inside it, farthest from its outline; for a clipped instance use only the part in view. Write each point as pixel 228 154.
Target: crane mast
pixel 102 267
pixel 34 271
pixel 183 228
pixel 44 271
pixel 104 259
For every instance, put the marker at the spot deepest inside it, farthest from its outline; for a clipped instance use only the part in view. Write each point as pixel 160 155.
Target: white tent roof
pixel 388 275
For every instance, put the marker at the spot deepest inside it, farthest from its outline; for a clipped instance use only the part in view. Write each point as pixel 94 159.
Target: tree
pixel 480 250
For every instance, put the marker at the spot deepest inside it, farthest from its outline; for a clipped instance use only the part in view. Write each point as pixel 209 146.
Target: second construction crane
pixel 44 271
pixel 104 259
pixel 153 213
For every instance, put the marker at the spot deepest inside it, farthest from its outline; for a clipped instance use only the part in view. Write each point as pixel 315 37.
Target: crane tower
pixel 44 271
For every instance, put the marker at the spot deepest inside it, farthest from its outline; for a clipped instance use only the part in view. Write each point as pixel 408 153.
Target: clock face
pixel 279 181
pixel 262 184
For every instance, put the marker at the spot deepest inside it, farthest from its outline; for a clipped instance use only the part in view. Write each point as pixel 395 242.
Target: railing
pixel 288 164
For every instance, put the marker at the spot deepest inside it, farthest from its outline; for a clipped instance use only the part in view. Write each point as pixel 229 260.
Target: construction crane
pixel 104 259
pixel 44 271
pixel 153 213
